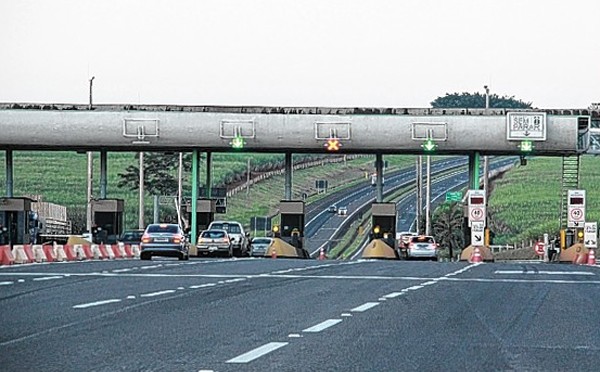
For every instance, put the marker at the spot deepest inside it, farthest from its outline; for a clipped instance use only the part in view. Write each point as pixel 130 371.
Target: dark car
pixel 131 237
pixel 164 239
pixel 214 241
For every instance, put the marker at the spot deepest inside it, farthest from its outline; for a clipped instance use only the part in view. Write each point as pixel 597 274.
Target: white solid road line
pixel 258 352
pixel 159 293
pixel 323 325
pixel 6 283
pixel 98 303
pixel 543 272
pixel 365 307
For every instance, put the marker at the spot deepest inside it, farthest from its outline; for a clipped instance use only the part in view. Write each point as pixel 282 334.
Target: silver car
pixel 164 239
pixel 214 241
pixel 422 246
pixel 259 246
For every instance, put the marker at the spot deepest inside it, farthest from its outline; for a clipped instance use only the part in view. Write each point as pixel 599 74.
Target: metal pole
pixel 195 161
pixel 9 173
pixel 428 198
pixel 486 158
pixel 379 180
pixel 208 175
pixel 248 178
pixel 91 84
pixel 180 189
pixel 419 178
pixel 103 174
pixel 474 171
pixel 141 224
pixel 156 217
pixel 90 177
pixel 288 176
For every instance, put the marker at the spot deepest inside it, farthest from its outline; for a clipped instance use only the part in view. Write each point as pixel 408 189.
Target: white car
pixel 422 246
pixel 342 211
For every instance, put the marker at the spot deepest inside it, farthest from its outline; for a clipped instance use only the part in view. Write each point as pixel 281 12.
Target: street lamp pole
pixel 90 175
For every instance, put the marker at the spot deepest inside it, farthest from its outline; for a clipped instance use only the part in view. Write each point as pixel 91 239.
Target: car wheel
pixel 145 256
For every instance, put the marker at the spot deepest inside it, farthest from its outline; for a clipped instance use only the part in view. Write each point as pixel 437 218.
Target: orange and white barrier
pixel 70 254
pixel 106 252
pixel 38 253
pixel 61 254
pixel 6 256
pixel 591 257
pixel 50 252
pixel 135 250
pixel 20 254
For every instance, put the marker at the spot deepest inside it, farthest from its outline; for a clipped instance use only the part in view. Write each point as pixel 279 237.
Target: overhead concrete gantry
pixel 379 131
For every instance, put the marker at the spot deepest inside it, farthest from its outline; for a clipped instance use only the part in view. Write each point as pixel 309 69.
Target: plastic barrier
pixel 60 253
pixel 118 251
pixel 135 249
pixel 20 254
pixel 38 253
pixel 50 252
pixel 70 253
pixel 6 256
pixel 127 250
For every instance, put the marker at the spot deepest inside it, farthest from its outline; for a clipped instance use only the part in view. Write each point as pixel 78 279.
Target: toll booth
pixel 292 222
pixel 205 213
pixel 107 220
pixel 383 223
pixel 15 214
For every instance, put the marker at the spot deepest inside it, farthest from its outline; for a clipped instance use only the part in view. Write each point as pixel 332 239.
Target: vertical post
pixel 180 189
pixel 428 198
pixel 288 176
pixel 486 158
pixel 474 171
pixel 9 173
pixel 91 83
pixel 419 188
pixel 103 174
pixel 90 177
pixel 156 214
pixel 208 175
pixel 379 180
pixel 141 224
pixel 195 158
pixel 248 178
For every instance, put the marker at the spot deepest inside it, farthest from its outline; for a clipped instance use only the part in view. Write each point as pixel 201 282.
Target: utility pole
pixel 90 175
pixel 428 198
pixel 486 158
pixel 419 204
pixel 180 190
pixel 141 224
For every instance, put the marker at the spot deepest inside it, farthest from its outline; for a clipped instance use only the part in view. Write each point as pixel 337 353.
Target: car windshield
pixel 163 228
pixel 213 234
pixel 132 235
pixel 261 241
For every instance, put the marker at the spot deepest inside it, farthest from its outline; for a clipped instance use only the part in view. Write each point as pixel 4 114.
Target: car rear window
pixel 422 239
pixel 232 228
pixel 173 229
pixel 261 241
pixel 213 234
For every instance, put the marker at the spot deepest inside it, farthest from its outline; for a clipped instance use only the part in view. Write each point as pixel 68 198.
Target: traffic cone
pixel 591 257
pixel 274 253
pixel 476 255
pixel 322 254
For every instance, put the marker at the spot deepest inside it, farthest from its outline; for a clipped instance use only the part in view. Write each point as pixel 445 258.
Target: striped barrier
pixel 6 256
pixel 20 255
pixel 38 253
pixel 50 252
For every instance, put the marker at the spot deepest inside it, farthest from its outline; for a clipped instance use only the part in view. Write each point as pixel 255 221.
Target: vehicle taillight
pixel 146 239
pixel 226 239
pixel 177 239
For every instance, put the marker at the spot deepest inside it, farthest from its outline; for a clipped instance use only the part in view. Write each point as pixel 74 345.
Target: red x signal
pixel 333 144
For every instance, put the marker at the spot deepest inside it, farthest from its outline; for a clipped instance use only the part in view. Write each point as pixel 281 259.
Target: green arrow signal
pixel 429 145
pixel 526 146
pixel 237 142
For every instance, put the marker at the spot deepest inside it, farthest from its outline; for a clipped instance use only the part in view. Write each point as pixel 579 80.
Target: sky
pixel 346 53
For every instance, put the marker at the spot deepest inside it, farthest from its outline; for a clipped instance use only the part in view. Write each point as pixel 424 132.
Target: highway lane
pixel 297 315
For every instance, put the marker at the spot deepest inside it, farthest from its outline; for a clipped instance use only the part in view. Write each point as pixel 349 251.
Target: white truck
pixel 240 239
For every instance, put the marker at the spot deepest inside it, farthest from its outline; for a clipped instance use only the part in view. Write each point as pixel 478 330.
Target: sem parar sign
pixel 526 126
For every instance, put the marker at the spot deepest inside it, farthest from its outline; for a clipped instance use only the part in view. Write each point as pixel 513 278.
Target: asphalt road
pixel 298 315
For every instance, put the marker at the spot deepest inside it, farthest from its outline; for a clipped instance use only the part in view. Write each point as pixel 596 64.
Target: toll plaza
pixel 289 234
pixel 14 220
pixel 107 219
pixel 383 232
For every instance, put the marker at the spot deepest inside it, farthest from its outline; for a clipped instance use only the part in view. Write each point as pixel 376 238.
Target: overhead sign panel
pixel 526 126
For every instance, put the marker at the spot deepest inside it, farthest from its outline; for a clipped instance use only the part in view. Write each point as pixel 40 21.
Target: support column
pixel 379 180
pixel 195 161
pixel 288 176
pixel 474 171
pixel 208 174
pixel 90 185
pixel 419 191
pixel 9 173
pixel 141 224
pixel 103 174
pixel 428 198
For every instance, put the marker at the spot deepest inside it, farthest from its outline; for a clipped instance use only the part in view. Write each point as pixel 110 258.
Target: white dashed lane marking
pixel 47 278
pixel 543 272
pixel 159 293
pixel 6 283
pixel 365 307
pixel 97 303
pixel 322 326
pixel 257 353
